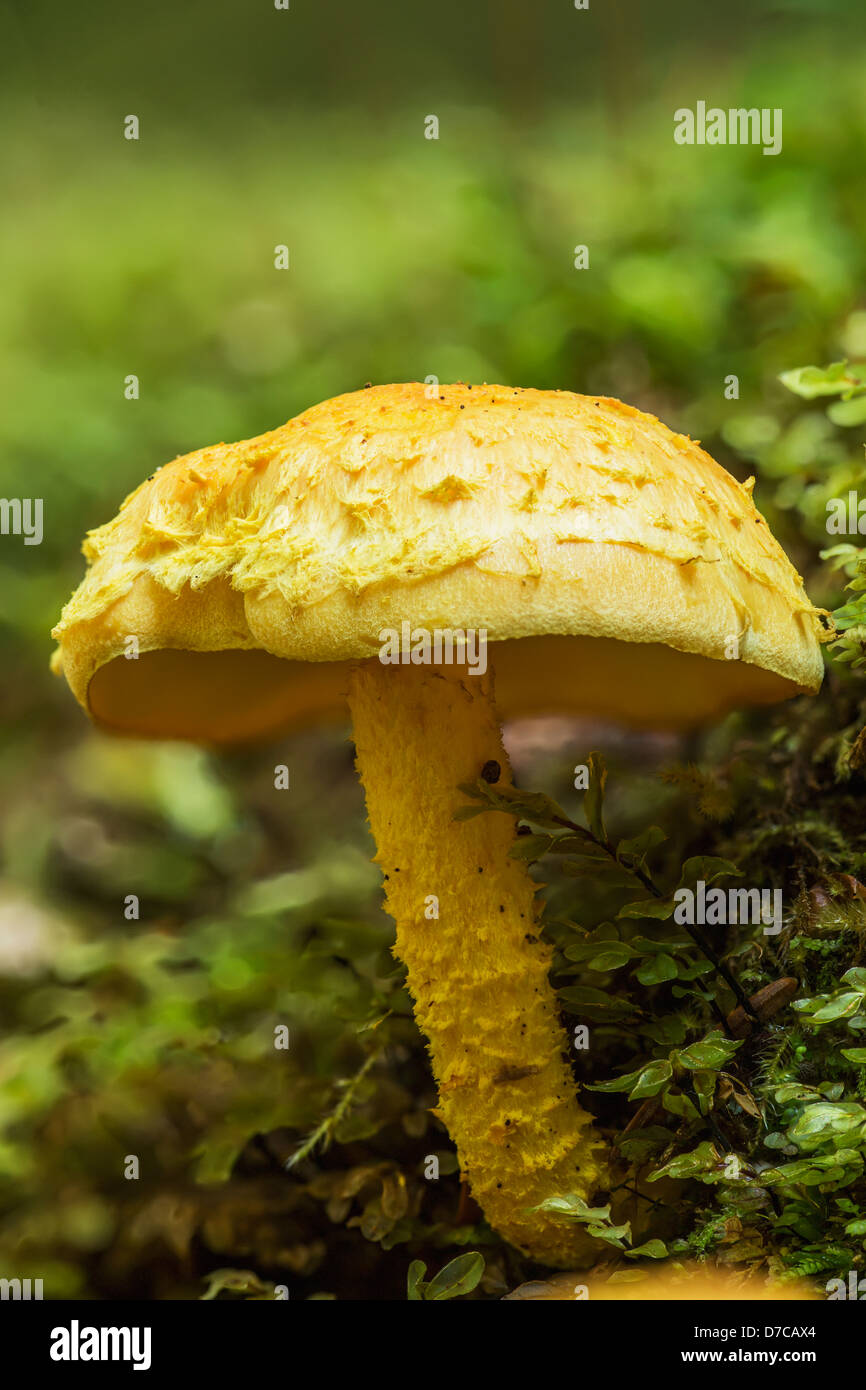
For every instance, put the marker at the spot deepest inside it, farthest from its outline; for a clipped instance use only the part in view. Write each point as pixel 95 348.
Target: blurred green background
pixel 409 257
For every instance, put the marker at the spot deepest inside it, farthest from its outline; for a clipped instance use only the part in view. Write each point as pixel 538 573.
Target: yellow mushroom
pixel 362 552
pixel 670 1282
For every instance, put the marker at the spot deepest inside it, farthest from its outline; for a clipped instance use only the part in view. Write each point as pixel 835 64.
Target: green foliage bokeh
pixel 409 257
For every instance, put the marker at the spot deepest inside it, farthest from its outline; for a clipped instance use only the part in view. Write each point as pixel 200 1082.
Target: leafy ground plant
pixel 709 1043
pixel 458 1277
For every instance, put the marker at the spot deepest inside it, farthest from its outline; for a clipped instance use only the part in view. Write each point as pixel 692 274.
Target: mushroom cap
pixel 618 569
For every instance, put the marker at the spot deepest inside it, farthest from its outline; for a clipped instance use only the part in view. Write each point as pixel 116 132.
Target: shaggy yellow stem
pixel 467 932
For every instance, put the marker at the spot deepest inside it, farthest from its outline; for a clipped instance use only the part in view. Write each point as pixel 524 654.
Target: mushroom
pixel 615 569
pixel 672 1282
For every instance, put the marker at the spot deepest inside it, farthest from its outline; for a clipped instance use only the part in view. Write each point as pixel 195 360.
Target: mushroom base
pixel 467 931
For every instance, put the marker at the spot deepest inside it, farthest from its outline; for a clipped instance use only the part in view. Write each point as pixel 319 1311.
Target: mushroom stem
pixel 467 931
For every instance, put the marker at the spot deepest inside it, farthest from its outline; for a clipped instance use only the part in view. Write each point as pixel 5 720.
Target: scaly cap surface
pixel 612 561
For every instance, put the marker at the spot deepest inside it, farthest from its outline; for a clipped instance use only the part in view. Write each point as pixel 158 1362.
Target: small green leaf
pixel 794 1090
pixel 652 1079
pixel 809 1006
pixel 574 1207
pixel 634 852
pixel 703 1159
pixel 236 1281
pixel 613 957
pixel 647 947
pixel 667 1031
pixel 813 1171
pixel 652 1250
pixel 593 797
pixel 835 380
pixel 459 1277
pixel 638 1144
pixel 645 1081
pixel 713 1051
pixel 660 908
pixel 577 999
pixel 823 1118
pixel 843 1006
pixel 614 1235
pixel 531 806
pixel 576 844
pixel 704 1083
pixel 706 868
pixel 848 413
pixel 656 970
pixel 414 1281
pixel 607 934
pixel 776 1140
pixel 566 1204
pixel 619 1083
pixel 530 846
pixel 832 1090
pixel 696 968
pixel 678 1103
